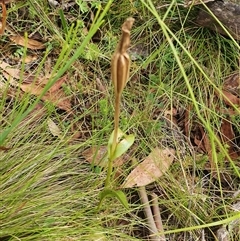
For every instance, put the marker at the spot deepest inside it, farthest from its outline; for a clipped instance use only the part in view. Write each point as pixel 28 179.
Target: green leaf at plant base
pixel 112 193
pixel 122 146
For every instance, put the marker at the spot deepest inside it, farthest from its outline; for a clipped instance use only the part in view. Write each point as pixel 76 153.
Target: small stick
pixel 148 212
pixel 153 231
pixel 157 216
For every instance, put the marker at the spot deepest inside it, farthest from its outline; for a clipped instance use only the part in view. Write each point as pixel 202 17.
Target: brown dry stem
pixel 157 217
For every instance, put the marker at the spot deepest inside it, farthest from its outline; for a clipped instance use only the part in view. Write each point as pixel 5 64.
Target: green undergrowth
pixel 48 191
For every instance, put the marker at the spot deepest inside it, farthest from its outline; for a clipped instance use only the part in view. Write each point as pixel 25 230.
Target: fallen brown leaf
pixel 153 167
pixel 56 97
pixel 228 111
pixel 228 137
pixel 199 143
pixel 27 42
pixel 227 131
pixel 57 85
pixel 97 155
pixel 35 86
pixel 230 98
pixel 60 99
pixel 206 146
pixel 100 86
pixel 28 59
pixel 13 72
pixel 3 148
pixel 232 84
pixel 34 116
pixel 54 129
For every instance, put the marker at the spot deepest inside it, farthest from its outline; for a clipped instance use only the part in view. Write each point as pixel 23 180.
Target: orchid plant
pixel 118 142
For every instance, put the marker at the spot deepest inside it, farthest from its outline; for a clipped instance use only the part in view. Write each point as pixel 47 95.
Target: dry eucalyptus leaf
pixel 29 59
pixel 13 72
pixel 35 86
pixel 153 167
pixel 97 155
pixel 54 129
pixel 3 148
pixel 58 97
pixel 232 84
pixel 228 137
pixel 29 43
pixel 230 99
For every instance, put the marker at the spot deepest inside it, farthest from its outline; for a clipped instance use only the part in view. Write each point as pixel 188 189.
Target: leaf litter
pixel 97 155
pixel 54 129
pixel 35 86
pixel 27 42
pixel 152 168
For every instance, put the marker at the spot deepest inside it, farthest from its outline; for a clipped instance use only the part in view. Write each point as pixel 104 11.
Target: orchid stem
pixel 115 139
pixel 116 121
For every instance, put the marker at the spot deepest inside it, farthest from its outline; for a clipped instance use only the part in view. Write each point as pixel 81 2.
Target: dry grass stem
pixel 153 231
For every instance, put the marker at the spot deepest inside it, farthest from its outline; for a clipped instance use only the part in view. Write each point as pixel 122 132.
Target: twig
pixel 148 212
pixel 157 216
